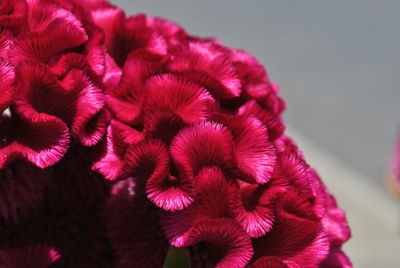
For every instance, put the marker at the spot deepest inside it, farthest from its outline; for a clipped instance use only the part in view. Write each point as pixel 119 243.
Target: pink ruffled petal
pixel 143 36
pixel 205 64
pixel 41 13
pixel 70 61
pixel 255 211
pixel 272 121
pixel 336 259
pixel 186 99
pixel 172 32
pixel 162 124
pixel 45 46
pixel 272 262
pixel 76 100
pixel 6 84
pixel 254 78
pixel 6 40
pixel 149 161
pixel 127 98
pixel 126 36
pixel 119 137
pixel 227 245
pixel 254 153
pixel 297 235
pixel 13 14
pixel 295 170
pixel 42 139
pixel 40 93
pixel 109 20
pixel 96 4
pixel 112 74
pixel 32 256
pixel 89 119
pixel 133 226
pixel 335 223
pixel 170 193
pixel 203 145
pixel 210 185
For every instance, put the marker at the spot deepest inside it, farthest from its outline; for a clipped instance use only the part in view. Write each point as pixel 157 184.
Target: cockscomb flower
pixel 124 141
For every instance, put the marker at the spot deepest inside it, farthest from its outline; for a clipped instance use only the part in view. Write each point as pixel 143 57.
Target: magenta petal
pixel 293 168
pixel 186 99
pixel 43 13
pixel 147 159
pixel 169 193
pixel 254 78
pixel 210 184
pixel 272 262
pixel 44 45
pixel 45 141
pixel 131 35
pixel 336 259
pixel 89 119
pixel 40 93
pixel 254 154
pixel 13 14
pixel 76 100
pixel 119 136
pixel 6 84
pixel 272 121
pixel 141 37
pixel 70 61
pixel 297 235
pixel 335 223
pixel 127 98
pixel 205 64
pixel 41 139
pixel 109 19
pixel 229 245
pixel 162 124
pixel 172 33
pixel 203 145
pixel 6 39
pixel 133 226
pixel 255 211
pixel 32 256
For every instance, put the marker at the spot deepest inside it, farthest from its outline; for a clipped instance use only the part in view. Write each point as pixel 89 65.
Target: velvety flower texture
pixel 122 137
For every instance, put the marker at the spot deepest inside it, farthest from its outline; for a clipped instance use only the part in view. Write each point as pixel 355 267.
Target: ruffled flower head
pixel 124 138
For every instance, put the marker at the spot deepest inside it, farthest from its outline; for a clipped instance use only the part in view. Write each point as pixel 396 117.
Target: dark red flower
pixel 123 136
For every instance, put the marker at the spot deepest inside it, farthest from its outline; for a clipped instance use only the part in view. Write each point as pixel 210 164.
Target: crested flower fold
pixel 123 138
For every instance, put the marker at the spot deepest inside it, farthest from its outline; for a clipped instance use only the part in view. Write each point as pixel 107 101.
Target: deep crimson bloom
pixel 124 136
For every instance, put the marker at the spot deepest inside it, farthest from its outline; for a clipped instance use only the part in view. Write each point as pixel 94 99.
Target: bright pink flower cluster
pixel 123 136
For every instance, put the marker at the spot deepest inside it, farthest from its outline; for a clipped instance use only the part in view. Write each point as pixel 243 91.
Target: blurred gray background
pixel 338 65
